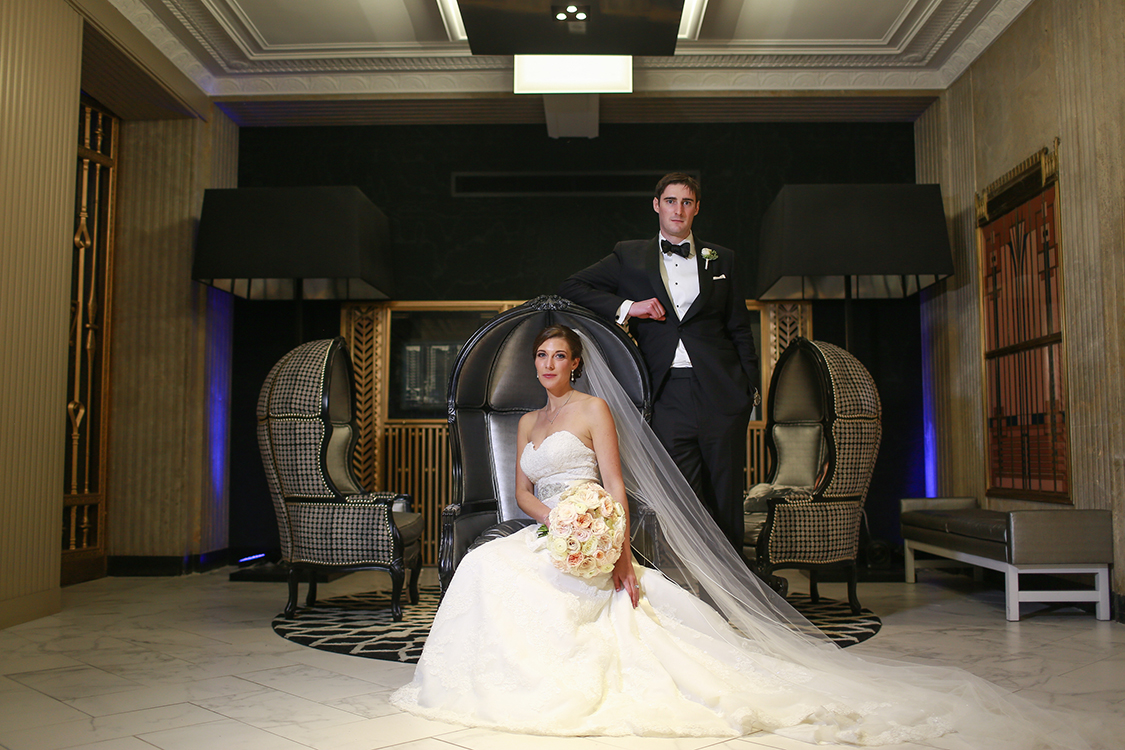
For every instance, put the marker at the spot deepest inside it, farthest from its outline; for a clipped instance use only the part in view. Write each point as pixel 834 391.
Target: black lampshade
pixel 890 240
pixel 285 243
pixel 637 27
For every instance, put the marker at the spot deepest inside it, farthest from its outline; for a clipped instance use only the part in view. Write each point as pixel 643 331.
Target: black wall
pixel 516 248
pixel 451 248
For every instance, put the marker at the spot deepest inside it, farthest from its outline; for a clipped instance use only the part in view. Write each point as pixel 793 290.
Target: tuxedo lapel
pixel 653 262
pixel 705 283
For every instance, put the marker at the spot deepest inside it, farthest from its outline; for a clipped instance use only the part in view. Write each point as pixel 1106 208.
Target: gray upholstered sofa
pixel 1063 542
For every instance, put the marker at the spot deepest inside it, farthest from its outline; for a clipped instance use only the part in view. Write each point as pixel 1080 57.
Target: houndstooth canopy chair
pixel 307 436
pixel 823 428
pixel 491 386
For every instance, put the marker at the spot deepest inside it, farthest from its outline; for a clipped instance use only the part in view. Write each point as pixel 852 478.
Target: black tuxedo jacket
pixel 715 330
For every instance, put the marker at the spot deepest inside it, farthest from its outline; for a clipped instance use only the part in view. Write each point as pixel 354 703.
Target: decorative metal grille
pixel 787 321
pixel 417 462
pixel 1025 375
pixel 84 489
pixel 365 331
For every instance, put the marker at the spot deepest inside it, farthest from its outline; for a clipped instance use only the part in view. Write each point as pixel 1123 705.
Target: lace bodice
pixel 560 460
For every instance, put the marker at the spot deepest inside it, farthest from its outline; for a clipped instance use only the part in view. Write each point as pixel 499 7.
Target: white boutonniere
pixel 708 256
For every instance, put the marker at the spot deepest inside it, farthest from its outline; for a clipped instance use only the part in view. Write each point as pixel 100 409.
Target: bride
pixel 518 645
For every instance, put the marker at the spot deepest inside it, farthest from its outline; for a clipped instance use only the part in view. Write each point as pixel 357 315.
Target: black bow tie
pixel 668 247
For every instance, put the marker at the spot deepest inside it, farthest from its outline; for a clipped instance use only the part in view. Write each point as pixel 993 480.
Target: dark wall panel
pixel 517 247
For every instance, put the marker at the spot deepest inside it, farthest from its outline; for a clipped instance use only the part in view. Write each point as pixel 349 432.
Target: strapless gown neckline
pixel 531 443
pixel 560 460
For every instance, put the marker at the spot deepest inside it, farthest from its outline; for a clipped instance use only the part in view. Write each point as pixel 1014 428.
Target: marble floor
pixel 191 663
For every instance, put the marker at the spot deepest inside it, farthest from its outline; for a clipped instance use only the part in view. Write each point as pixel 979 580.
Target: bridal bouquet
pixel 585 531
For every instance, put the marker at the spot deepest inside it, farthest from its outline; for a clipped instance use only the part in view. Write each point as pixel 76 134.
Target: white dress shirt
pixel 681 280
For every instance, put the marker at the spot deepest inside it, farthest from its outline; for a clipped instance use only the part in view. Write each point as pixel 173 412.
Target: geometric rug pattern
pixel 835 619
pixel 361 624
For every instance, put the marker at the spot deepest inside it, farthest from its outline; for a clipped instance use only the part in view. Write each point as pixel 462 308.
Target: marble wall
pixel 1058 71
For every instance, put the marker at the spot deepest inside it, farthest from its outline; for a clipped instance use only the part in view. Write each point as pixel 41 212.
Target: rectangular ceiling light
pixel 574 74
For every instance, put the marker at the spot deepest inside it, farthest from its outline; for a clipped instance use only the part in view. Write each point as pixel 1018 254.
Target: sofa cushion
pixel 410 526
pixel 990 525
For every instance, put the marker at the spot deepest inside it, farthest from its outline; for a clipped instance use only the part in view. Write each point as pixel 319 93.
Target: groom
pixel 682 304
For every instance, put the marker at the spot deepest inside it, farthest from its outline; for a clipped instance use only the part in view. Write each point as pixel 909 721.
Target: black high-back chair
pixel 326 520
pixel 823 428
pixel 492 385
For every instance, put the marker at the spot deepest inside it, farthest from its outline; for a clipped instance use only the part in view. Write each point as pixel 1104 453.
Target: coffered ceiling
pixel 288 60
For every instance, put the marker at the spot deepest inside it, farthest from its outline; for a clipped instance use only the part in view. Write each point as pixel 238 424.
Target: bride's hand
pixel 624 577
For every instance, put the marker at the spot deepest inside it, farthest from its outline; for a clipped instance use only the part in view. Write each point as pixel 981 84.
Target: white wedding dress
pixel 518 645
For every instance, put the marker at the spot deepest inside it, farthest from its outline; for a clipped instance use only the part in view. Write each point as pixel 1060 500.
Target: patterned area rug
pixel 361 624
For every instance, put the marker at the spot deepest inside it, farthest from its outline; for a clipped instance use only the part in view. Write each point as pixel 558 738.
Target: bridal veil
pixel 868 700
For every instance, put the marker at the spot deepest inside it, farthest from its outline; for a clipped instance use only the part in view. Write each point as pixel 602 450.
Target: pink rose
pixel 607 509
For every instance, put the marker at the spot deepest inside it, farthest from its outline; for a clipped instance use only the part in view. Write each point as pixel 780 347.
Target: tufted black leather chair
pixel 327 521
pixel 491 386
pixel 823 428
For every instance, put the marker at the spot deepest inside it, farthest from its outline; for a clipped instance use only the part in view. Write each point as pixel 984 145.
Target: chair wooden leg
pixel 814 592
pixel 310 600
pixel 397 578
pixel 853 584
pixel 417 571
pixel 291 605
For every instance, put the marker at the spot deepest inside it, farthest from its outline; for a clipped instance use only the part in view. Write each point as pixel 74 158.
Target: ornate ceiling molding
pixel 938 50
pixel 156 32
pixel 985 33
pixel 923 29
pixel 368 84
pixel 787 79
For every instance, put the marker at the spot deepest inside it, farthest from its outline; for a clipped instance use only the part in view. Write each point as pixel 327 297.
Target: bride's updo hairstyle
pixel 570 337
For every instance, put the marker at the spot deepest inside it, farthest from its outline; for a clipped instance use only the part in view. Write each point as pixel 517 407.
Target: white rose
pixel 587 568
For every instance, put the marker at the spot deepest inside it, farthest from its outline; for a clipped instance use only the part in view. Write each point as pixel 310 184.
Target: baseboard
pixel 29 607
pixel 155 565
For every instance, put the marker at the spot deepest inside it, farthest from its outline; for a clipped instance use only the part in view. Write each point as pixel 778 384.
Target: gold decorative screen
pixel 84 491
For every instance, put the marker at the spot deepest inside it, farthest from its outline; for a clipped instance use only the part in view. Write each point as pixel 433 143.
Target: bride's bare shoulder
pixel 594 407
pixel 527 421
